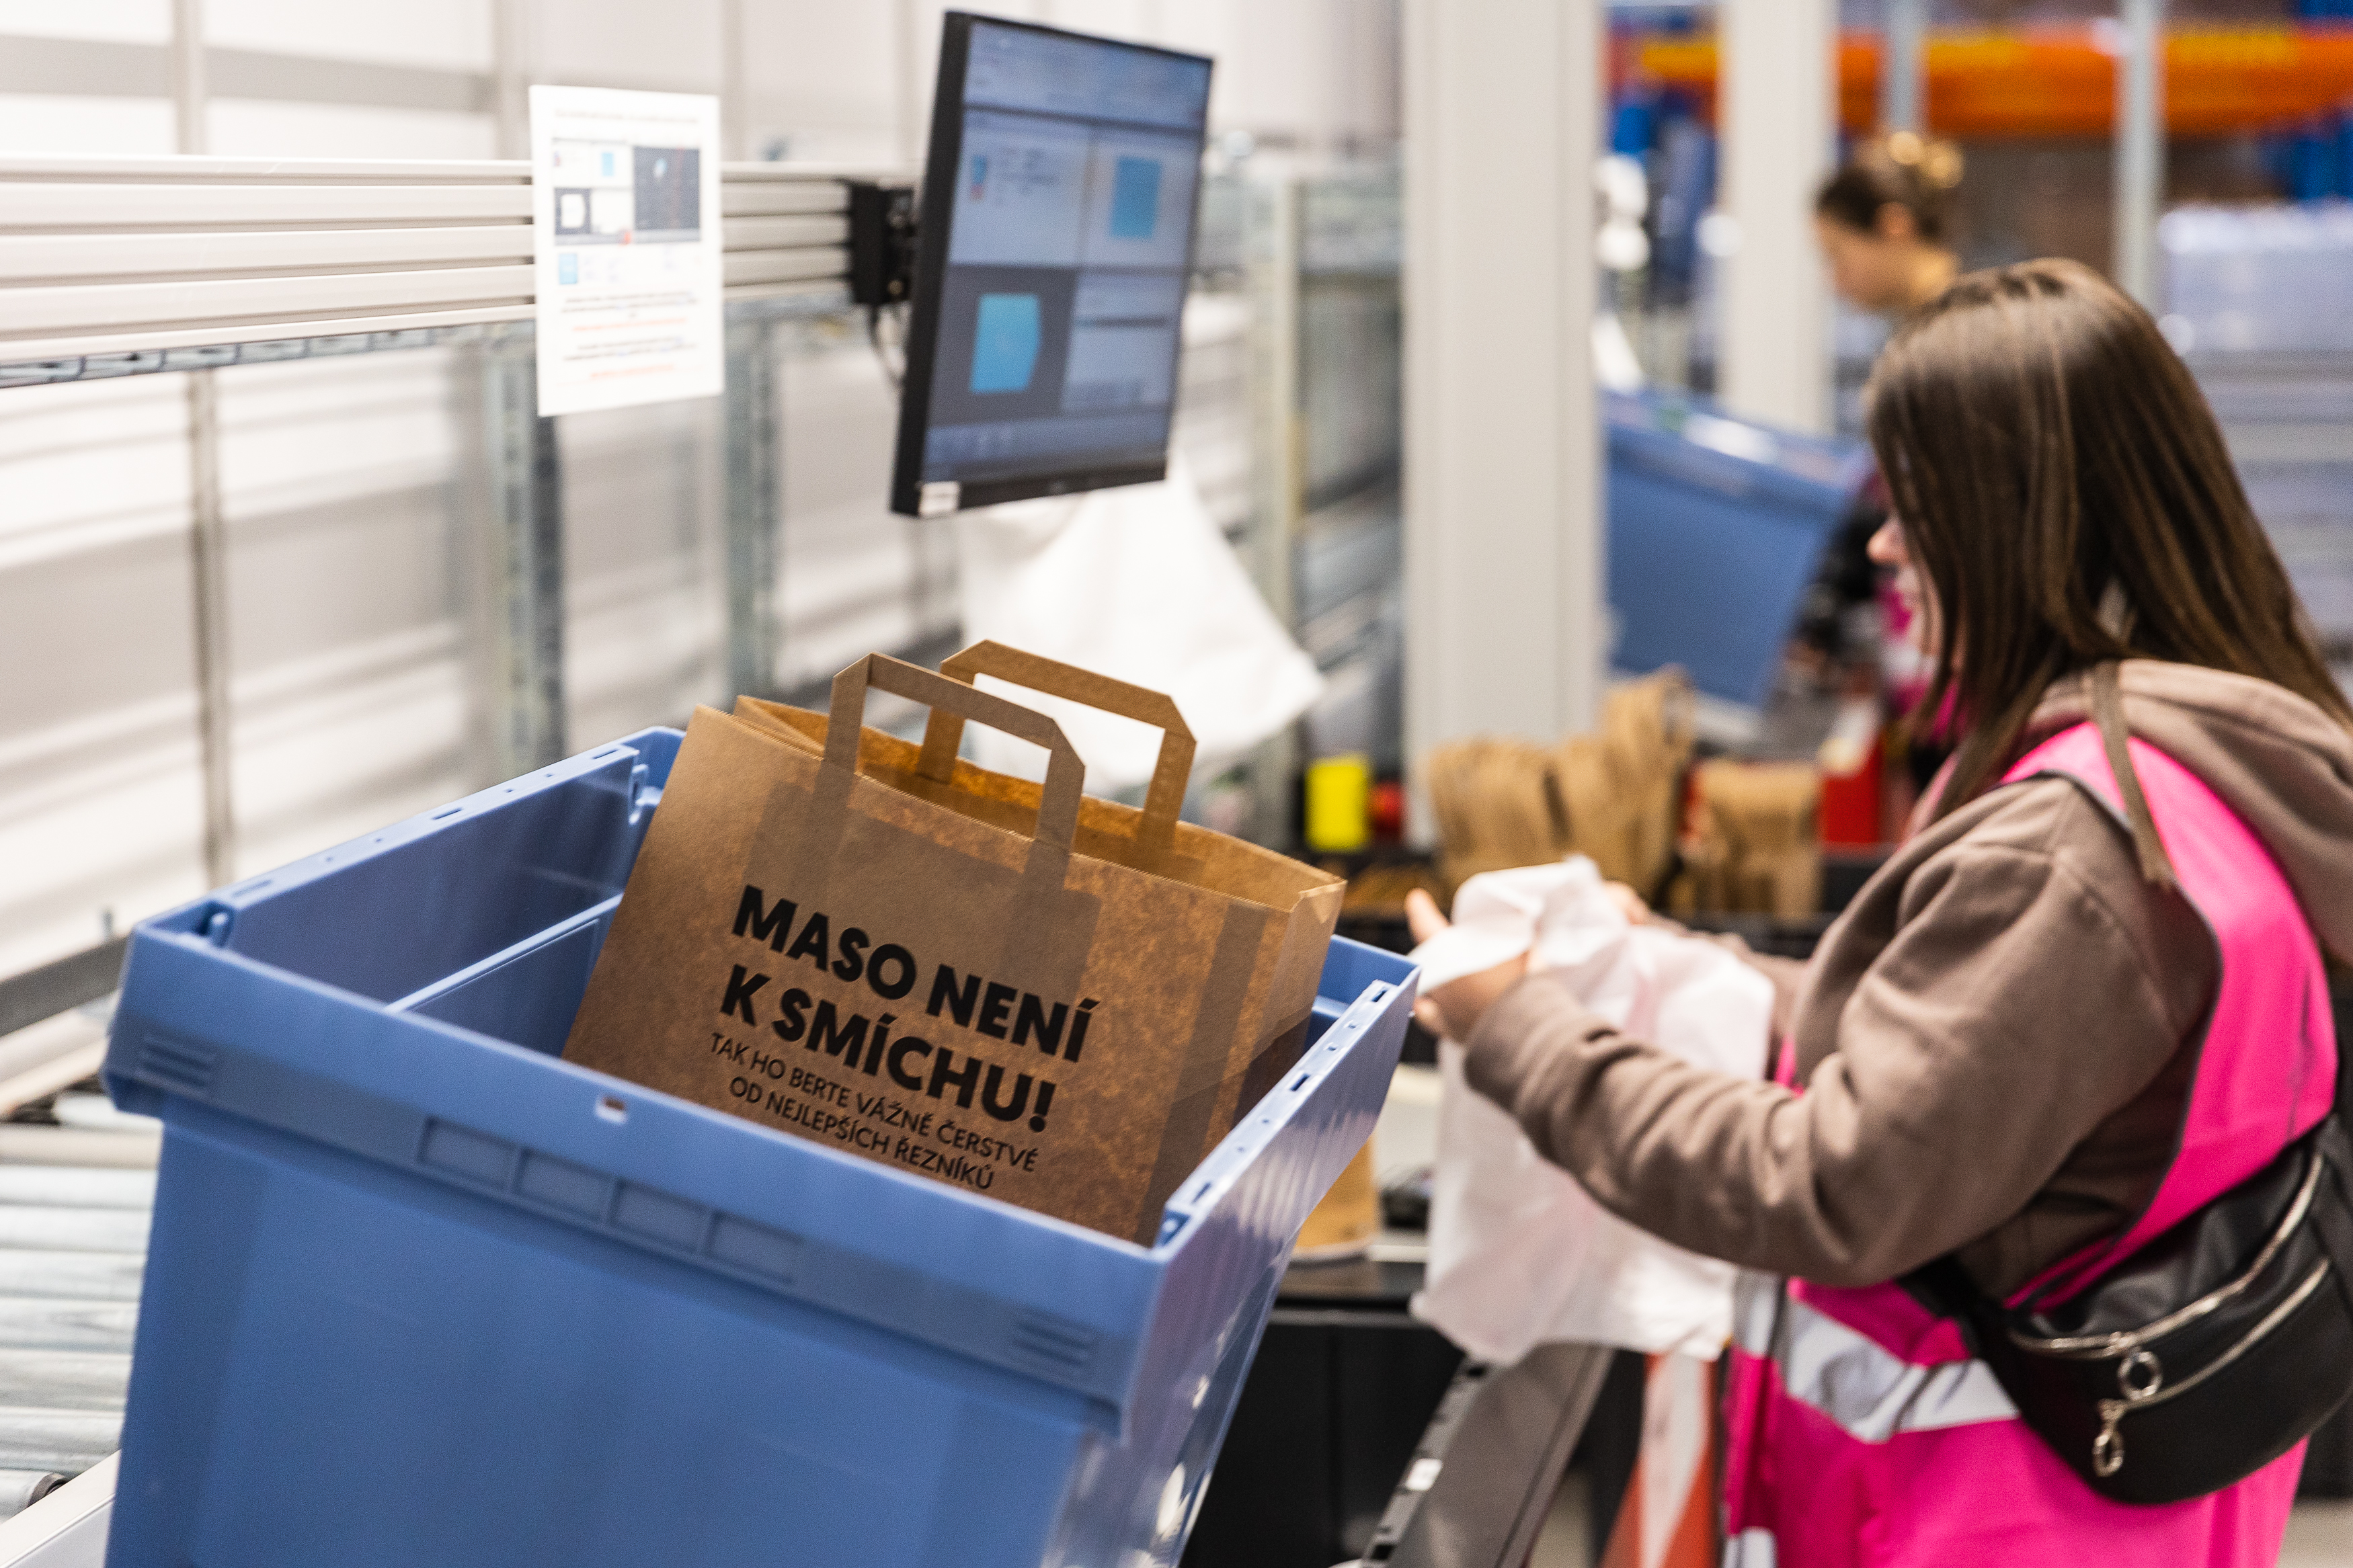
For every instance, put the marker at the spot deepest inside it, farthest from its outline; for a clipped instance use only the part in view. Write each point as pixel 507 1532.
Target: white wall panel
pixel 454 35
pixel 1281 65
pixel 101 467
pixel 333 473
pixel 643 493
pixel 673 46
pixel 347 695
pixel 114 835
pixel 849 566
pixel 1780 141
pixel 1138 19
pixel 1370 39
pixel 98 784
pixel 823 78
pixel 243 128
pixel 40 122
pixel 332 747
pixel 116 21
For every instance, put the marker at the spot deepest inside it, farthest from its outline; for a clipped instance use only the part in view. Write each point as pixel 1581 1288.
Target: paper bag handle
pixel 1058 805
pixel 1162 802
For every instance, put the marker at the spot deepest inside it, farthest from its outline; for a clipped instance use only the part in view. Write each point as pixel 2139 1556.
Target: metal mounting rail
pixel 124 266
pixel 62 984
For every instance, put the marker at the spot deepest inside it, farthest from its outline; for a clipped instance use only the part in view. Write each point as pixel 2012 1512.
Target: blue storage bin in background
pixel 1717 526
pixel 422 1294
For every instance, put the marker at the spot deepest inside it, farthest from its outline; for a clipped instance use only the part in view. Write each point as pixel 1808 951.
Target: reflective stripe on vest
pixel 1871 1392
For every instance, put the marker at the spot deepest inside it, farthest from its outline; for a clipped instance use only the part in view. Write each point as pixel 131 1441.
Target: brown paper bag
pixel 1049 999
pixel 1503 802
pixel 1497 805
pixel 1754 847
pixel 1347 1219
pixel 1619 787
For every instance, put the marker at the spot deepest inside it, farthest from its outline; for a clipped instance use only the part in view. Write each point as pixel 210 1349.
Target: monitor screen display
pixel 1057 237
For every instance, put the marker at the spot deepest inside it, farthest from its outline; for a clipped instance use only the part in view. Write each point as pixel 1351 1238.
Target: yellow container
pixel 1339 803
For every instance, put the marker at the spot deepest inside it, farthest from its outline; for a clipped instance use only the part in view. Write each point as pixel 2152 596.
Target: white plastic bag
pixel 1519 1255
pixel 1138 584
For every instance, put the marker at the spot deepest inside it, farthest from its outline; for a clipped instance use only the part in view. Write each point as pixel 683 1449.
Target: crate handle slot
pixel 644 794
pixel 611 1110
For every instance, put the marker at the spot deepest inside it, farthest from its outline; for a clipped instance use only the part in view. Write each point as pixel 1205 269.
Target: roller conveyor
pixel 30 1272
pixel 73 1239
pixel 64 1380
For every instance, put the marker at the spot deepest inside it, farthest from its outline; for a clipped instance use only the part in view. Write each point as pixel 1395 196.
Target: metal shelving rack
pixel 118 267
pixel 123 267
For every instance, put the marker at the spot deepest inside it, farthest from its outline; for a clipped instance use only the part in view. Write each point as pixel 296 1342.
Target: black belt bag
pixel 2203 1357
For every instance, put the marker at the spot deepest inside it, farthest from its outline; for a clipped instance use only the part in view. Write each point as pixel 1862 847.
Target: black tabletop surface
pixel 1358 1283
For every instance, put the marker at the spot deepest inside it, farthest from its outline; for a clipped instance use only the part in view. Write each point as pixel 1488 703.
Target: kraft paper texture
pixel 1050 999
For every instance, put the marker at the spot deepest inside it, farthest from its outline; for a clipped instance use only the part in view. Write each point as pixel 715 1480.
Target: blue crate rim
pixel 177 1069
pixel 408 830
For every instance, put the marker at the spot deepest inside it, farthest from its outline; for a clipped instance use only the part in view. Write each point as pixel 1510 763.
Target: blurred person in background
pixel 1884 223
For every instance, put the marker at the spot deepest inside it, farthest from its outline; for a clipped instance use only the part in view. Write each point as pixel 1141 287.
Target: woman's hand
pixel 1455 1008
pixel 1629 903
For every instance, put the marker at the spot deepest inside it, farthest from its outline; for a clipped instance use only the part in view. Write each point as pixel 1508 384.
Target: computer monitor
pixel 1055 242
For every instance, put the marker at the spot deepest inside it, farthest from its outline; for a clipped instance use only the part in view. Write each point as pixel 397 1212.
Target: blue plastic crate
pixel 422 1293
pixel 1716 529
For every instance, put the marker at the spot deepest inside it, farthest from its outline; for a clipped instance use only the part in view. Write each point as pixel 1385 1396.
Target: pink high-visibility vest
pixel 1862 1434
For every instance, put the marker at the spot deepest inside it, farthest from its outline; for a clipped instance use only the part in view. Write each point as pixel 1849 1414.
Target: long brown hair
pixel 2066 492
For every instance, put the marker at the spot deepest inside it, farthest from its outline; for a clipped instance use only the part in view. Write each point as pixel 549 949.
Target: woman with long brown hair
pixel 1994 1055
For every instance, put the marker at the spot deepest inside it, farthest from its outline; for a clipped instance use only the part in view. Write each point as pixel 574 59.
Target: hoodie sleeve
pixel 2012 1012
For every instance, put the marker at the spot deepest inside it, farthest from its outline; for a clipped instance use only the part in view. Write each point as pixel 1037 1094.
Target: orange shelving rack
pixel 2062 82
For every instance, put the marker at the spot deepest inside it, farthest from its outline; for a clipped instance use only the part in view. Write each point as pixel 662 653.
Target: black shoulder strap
pixel 2340 1007
pixel 1943 1286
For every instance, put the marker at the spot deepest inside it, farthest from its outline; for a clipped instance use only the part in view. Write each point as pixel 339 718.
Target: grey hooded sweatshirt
pixel 1996 1039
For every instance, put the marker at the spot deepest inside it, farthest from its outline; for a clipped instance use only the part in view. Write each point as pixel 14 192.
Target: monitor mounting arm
pixel 882 226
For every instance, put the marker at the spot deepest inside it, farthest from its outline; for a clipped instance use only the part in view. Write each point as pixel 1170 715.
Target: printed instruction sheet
pixel 625 206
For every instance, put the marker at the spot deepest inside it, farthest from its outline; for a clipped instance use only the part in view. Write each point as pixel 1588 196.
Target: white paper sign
pixel 624 209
